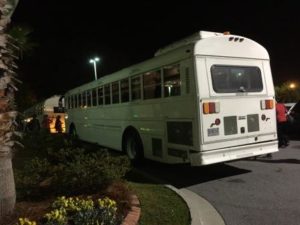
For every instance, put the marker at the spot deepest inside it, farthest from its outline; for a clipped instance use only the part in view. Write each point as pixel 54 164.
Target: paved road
pixel 245 192
pixel 269 194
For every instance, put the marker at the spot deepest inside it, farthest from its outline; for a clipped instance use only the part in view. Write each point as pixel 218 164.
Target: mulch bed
pixel 32 210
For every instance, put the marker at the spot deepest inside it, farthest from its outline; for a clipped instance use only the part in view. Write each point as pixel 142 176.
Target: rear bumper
pixel 232 153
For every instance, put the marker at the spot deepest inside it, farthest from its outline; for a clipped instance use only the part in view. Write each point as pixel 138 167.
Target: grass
pixel 160 205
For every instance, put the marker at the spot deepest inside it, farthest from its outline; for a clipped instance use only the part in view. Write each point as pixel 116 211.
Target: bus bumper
pixel 232 153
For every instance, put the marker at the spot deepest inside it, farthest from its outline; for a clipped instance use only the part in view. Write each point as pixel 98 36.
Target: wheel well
pixel 129 131
pixel 71 127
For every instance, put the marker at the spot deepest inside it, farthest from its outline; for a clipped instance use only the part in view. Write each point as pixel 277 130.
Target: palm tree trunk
pixel 7 116
pixel 7 185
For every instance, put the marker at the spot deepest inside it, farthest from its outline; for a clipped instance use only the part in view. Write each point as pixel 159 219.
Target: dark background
pixel 123 33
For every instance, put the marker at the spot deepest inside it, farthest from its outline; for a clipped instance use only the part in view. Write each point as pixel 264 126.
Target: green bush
pixel 88 173
pixel 29 178
pixel 69 171
pixel 64 155
pixel 63 166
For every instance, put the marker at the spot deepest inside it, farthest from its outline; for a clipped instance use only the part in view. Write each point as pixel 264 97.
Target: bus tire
pixel 134 147
pixel 72 131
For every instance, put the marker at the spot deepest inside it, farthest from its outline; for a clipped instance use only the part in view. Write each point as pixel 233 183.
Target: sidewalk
pixel 202 212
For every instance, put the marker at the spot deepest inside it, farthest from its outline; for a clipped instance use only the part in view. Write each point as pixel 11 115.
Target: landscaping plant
pixel 79 211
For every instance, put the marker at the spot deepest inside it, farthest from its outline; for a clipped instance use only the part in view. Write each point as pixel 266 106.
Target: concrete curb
pixel 201 211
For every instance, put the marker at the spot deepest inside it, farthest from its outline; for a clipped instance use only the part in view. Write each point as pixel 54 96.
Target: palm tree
pixel 7 110
pixel 21 35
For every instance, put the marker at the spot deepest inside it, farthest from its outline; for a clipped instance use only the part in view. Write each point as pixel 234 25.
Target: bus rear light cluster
pixel 267 104
pixel 211 107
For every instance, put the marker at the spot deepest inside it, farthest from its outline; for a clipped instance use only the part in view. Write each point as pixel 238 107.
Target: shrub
pixel 64 154
pixel 87 173
pixel 28 179
pixel 76 173
pixel 65 168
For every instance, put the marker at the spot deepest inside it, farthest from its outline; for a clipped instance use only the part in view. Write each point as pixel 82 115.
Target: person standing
pixel 58 124
pixel 34 124
pixel 46 123
pixel 281 124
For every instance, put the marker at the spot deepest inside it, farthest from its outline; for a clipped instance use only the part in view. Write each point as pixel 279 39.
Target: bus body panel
pixel 233 153
pixel 105 125
pixel 243 106
pixel 226 46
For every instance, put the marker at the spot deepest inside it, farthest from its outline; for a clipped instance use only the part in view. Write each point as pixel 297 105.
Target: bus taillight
pixel 267 104
pixel 211 107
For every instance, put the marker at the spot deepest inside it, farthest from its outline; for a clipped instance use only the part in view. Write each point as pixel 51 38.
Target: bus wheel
pixel 73 138
pixel 72 131
pixel 134 148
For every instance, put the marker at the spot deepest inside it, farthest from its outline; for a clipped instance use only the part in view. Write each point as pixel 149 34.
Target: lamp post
pixel 94 61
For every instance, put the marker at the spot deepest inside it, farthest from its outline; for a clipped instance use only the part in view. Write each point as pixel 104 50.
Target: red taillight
pixel 217 121
pixel 267 104
pixel 211 107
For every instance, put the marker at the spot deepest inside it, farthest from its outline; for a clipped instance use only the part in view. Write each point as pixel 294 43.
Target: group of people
pixel 34 124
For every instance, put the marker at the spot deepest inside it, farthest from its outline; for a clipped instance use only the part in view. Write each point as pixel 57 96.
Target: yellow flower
pixel 26 221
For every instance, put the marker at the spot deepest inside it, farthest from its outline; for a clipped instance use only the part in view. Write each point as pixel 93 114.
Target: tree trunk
pixel 7 76
pixel 7 185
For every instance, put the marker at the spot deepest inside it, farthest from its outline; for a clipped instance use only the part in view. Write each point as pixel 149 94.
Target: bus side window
pixel 89 98
pixel 94 97
pixel 125 90
pixel 100 96
pixel 152 84
pixel 79 100
pixel 115 92
pixel 75 101
pixel 107 94
pixel 70 102
pixel 135 88
pixel 172 80
pixel 84 99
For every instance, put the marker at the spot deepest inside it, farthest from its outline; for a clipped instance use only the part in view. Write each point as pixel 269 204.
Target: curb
pixel 134 213
pixel 201 211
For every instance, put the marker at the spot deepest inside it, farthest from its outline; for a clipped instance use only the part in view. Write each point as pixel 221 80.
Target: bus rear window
pixel 232 79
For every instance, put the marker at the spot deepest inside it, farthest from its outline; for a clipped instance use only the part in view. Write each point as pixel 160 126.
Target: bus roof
pixel 224 44
pixel 186 41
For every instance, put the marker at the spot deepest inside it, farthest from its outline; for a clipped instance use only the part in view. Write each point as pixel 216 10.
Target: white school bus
pixel 52 107
pixel 206 99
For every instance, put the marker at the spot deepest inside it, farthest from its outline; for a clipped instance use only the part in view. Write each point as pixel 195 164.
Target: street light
pixel 292 86
pixel 94 61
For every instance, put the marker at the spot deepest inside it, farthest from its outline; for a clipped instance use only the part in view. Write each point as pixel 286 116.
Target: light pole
pixel 94 61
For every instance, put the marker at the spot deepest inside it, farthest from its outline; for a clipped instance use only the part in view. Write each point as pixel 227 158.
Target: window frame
pixel 235 90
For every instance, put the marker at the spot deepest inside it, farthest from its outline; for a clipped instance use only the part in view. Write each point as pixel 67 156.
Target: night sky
pixel 123 33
